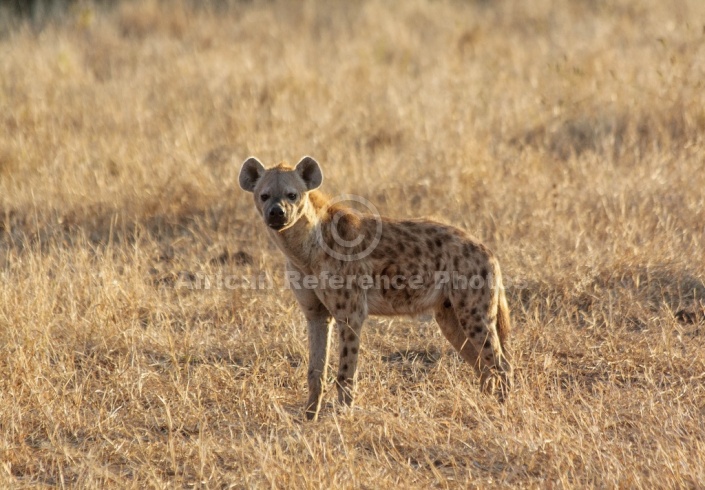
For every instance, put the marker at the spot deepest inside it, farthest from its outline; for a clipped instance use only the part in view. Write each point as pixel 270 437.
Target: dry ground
pixel 568 135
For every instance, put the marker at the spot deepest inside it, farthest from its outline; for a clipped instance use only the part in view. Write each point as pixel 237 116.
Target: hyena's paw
pixel 311 413
pixel 313 406
pixel 497 383
pixel 345 393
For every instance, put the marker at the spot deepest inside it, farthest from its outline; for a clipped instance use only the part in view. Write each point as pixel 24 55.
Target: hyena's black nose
pixel 276 212
pixel 276 217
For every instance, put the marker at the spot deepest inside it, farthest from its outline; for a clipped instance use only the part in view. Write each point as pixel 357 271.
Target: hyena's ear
pixel 310 172
pixel 252 170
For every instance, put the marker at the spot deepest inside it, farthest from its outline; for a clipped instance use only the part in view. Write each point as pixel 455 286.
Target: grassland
pixel 568 135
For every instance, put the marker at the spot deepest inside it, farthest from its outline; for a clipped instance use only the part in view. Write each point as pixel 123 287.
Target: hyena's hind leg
pixel 451 330
pixel 476 323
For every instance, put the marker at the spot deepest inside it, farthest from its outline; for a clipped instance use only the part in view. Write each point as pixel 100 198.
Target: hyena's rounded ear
pixel 252 170
pixel 310 172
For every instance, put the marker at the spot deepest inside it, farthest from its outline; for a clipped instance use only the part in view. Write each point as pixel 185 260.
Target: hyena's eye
pixel 291 196
pixel 264 197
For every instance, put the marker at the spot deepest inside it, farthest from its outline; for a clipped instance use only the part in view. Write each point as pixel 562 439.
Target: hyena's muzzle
pixel 275 215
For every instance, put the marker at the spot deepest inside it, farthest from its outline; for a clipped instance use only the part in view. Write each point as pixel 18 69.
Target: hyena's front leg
pixel 319 329
pixel 349 329
pixel 320 323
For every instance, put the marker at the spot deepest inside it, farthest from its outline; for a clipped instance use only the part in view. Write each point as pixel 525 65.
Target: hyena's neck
pixel 299 241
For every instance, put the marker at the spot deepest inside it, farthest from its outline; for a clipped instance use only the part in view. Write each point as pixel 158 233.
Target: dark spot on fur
pixel 487 344
pixel 347 294
pixel 345 352
pixel 483 272
pixel 447 303
pixel 345 367
pixel 477 318
pixel 462 303
pixel 341 378
pixel 401 247
pixel 473 311
pixel 417 250
pixel 346 226
pixel 478 329
pixel 430 243
pixel 352 337
pixel 438 242
pixel 354 350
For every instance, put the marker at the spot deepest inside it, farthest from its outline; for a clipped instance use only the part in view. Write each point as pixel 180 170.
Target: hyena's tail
pixel 504 323
pixel 504 326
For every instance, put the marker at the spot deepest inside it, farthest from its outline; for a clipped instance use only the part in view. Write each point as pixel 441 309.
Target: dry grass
pixel 568 135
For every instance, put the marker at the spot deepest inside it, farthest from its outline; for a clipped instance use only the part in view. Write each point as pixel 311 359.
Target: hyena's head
pixel 280 192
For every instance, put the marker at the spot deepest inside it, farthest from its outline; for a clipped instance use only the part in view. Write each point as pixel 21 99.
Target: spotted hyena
pixel 344 265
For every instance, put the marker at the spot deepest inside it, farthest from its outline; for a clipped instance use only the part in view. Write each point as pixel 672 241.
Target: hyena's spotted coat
pixel 415 266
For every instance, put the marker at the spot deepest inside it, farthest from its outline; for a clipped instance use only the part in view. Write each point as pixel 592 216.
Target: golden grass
pixel 568 135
